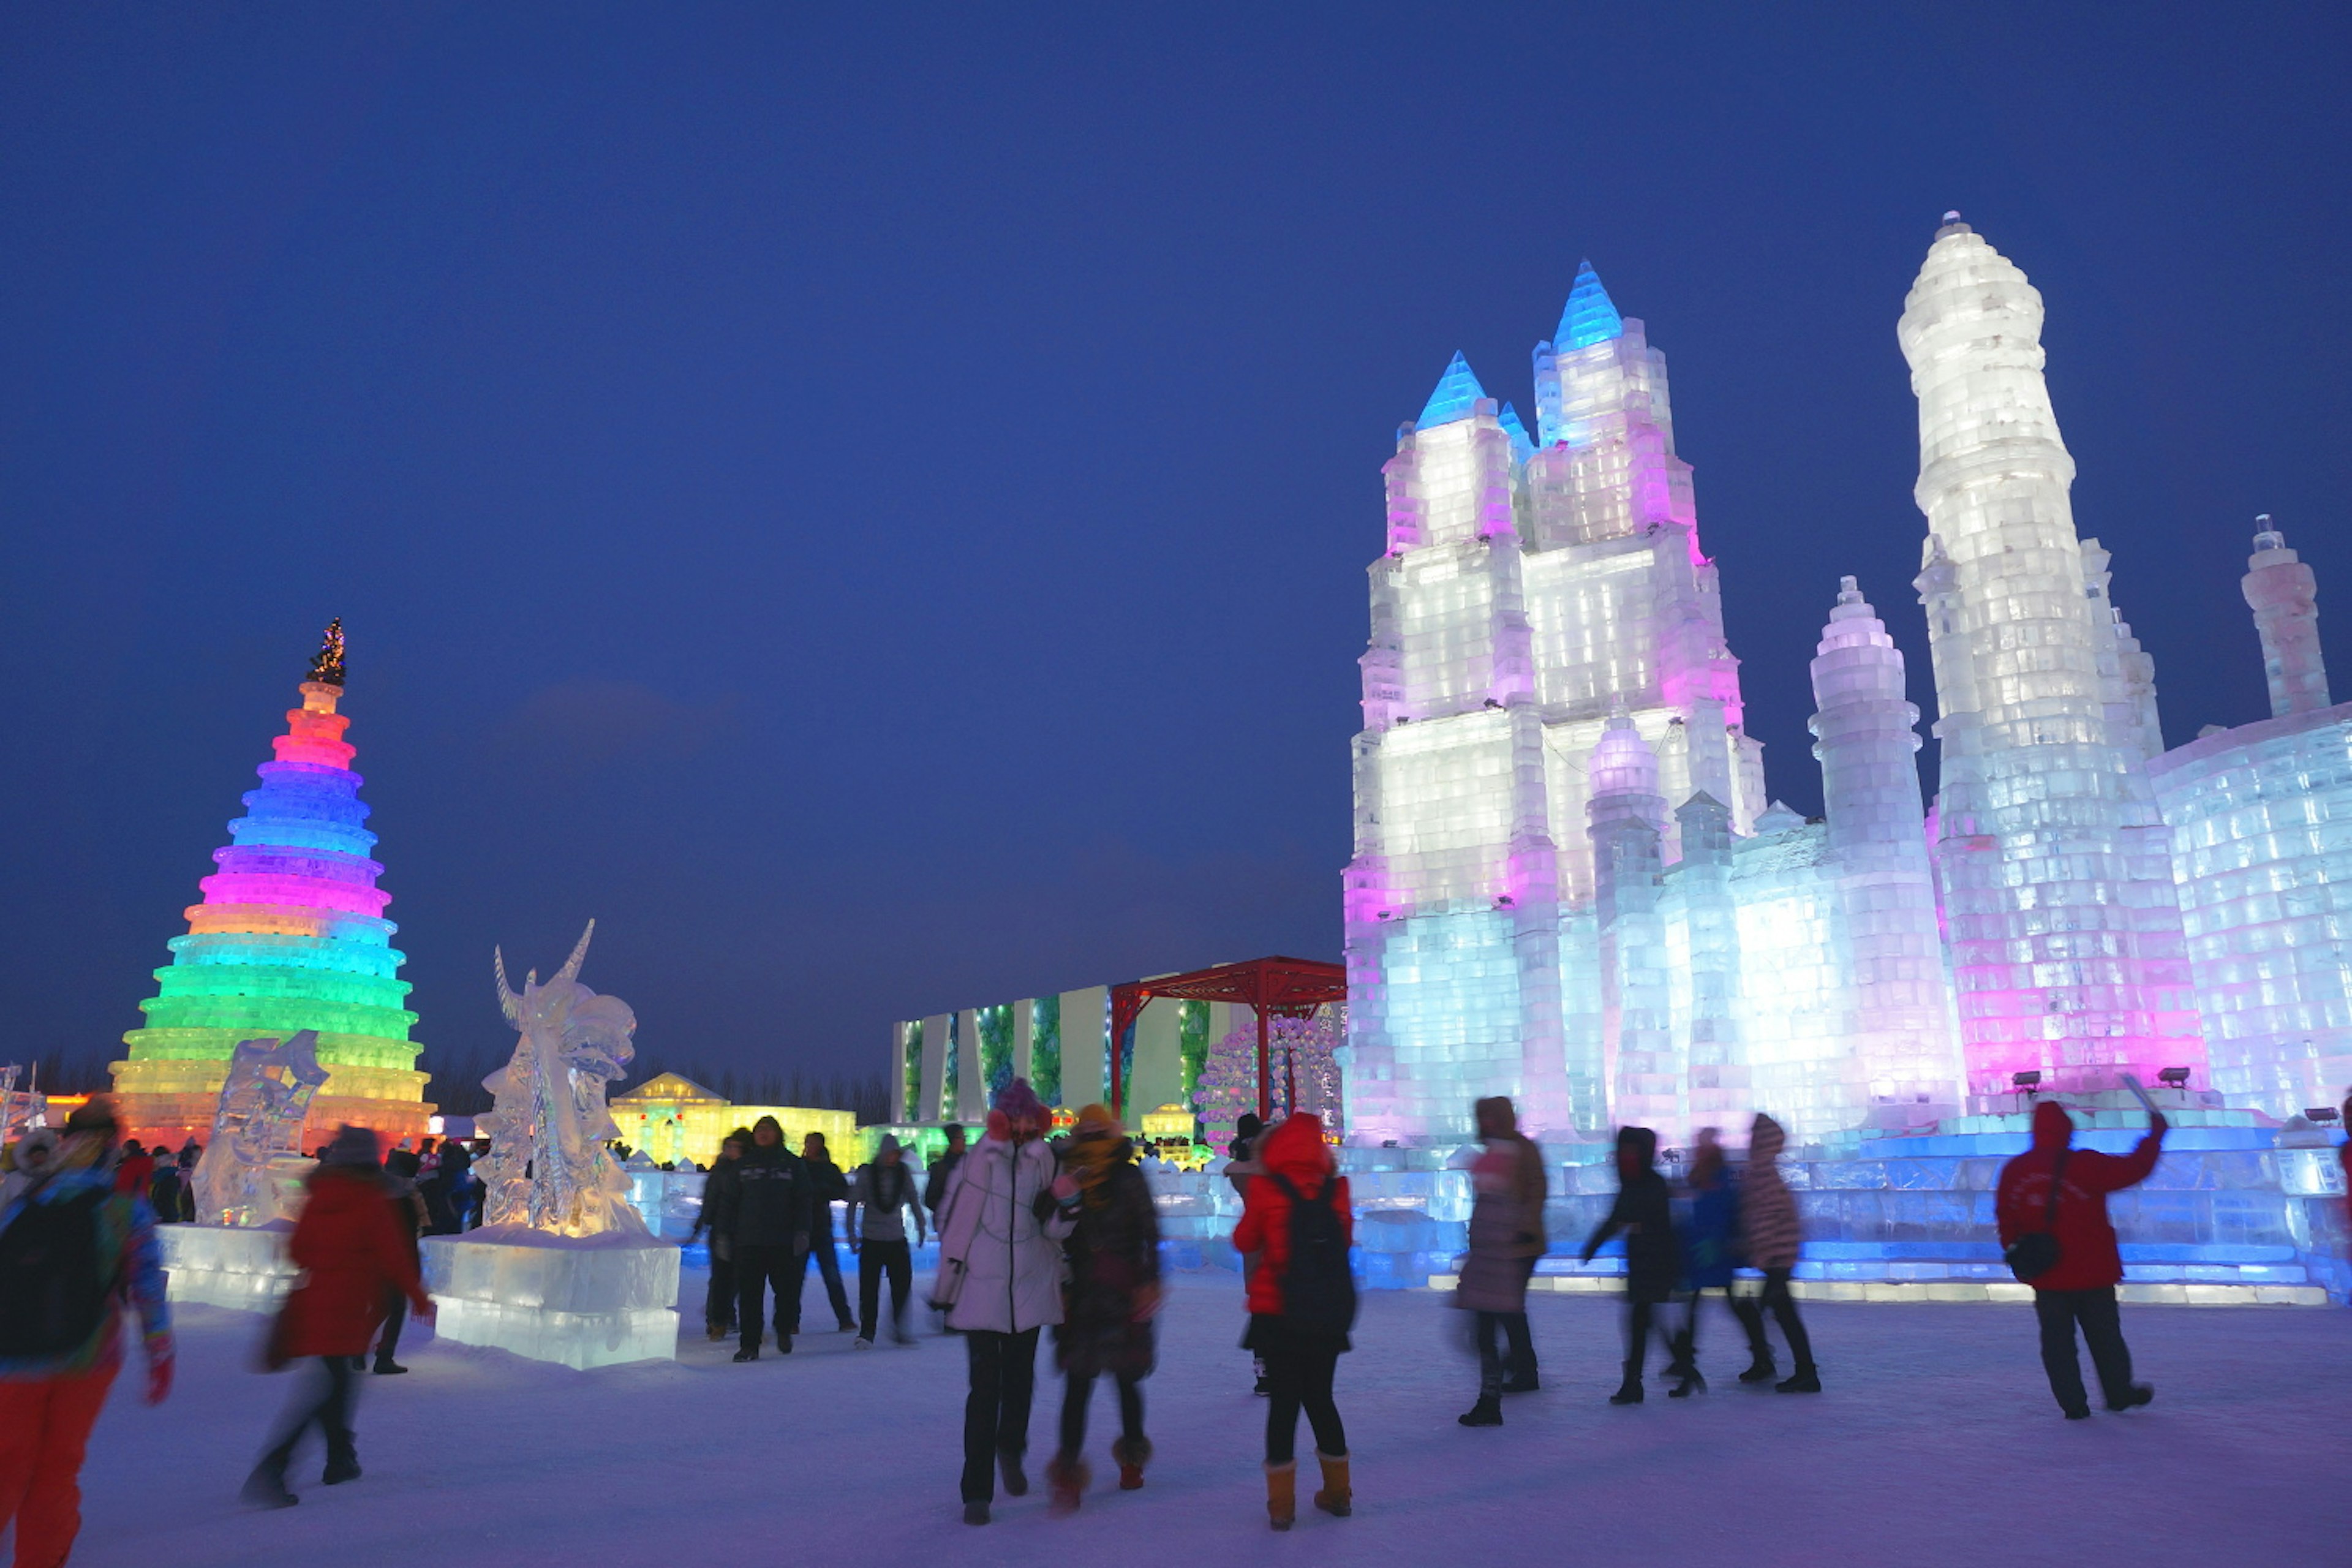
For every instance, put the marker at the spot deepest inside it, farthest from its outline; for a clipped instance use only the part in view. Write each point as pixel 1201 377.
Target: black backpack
pixel 55 1288
pixel 1318 1292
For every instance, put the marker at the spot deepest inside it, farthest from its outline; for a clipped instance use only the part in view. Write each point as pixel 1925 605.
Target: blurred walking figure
pixel 1108 1300
pixel 720 1191
pixel 1506 1236
pixel 408 1218
pixel 1241 1164
pixel 1302 1302
pixel 1653 1262
pixel 1711 1241
pixel 2061 1192
pixel 349 1252
pixel 1001 1281
pixel 771 1233
pixel 72 1250
pixel 826 1185
pixel 879 1202
pixel 943 1171
pixel 449 1192
pixel 1771 1238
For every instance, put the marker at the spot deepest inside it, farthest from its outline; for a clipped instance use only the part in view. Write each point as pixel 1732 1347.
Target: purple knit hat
pixel 1021 1108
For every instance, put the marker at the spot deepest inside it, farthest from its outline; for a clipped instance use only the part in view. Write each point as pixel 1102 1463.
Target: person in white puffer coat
pixel 999 1275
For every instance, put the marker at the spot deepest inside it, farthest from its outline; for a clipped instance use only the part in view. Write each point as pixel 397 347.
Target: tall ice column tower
pixel 2065 924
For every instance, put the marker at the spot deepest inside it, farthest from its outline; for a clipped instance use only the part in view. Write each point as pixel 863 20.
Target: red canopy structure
pixel 1272 987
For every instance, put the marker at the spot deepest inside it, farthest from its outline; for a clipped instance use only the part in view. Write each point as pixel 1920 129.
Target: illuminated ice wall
pixel 291 936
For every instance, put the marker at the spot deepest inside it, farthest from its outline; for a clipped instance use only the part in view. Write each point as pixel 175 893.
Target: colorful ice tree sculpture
pixel 257 1122
pixel 1296 1050
pixel 548 1168
pixel 291 936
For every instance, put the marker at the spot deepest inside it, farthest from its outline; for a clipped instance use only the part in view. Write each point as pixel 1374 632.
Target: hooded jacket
pixel 1769 1232
pixel 1506 1225
pixel 2087 1258
pixel 349 1248
pixel 771 1199
pixel 1644 1211
pixel 1294 1151
pixel 1002 1232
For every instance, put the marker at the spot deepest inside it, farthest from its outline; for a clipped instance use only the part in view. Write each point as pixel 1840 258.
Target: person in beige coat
pixel 1506 1236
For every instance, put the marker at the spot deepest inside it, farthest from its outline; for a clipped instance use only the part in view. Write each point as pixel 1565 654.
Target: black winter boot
pixel 1629 1392
pixel 1692 1383
pixel 266 1488
pixel 1805 1380
pixel 1487 1411
pixel 1008 1466
pixel 1760 1370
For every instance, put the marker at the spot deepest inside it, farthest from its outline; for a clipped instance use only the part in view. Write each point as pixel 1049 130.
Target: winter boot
pixel 747 1355
pixel 1629 1392
pixel 266 1488
pixel 1762 1369
pixel 387 1367
pixel 975 1514
pixel 2140 1395
pixel 1525 1384
pixel 1008 1466
pixel 1132 1458
pixel 717 1331
pixel 1067 1478
pixel 343 1463
pixel 1334 1498
pixel 1487 1411
pixel 1282 1495
pixel 1805 1380
pixel 1692 1383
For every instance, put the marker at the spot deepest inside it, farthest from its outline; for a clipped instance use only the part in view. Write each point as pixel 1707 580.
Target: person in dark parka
pixel 771 1216
pixel 1652 1259
pixel 1108 1298
pixel 720 1192
pixel 826 1185
pixel 2081 1287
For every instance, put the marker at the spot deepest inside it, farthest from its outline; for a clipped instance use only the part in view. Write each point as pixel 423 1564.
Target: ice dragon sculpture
pixel 548 1168
pixel 258 1126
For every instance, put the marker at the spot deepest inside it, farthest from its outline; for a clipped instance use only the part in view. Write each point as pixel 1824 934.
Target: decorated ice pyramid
pixel 290 935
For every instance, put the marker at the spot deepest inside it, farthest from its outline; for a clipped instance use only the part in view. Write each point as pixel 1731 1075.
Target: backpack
pixel 55 1284
pixel 1318 1292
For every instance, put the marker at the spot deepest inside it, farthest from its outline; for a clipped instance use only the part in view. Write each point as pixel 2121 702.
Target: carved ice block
pixel 242 1266
pixel 584 1301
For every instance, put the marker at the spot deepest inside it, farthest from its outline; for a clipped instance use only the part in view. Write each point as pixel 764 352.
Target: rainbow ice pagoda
pixel 290 935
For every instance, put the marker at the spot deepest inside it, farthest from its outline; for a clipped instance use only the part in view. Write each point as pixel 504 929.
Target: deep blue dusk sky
pixel 872 504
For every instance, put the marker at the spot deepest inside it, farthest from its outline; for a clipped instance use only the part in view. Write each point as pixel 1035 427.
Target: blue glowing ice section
pixel 1590 316
pixel 1522 448
pixel 1456 397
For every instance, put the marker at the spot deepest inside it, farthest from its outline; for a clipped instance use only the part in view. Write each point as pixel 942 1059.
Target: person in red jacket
pixel 352 1255
pixel 1300 1308
pixel 2081 1287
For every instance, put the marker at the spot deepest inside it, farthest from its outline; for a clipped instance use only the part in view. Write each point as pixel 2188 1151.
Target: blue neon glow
pixel 1456 397
pixel 1521 448
pixel 1590 316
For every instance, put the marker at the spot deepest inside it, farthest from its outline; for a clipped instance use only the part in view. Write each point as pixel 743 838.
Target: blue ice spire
pixel 1589 316
pixel 1457 392
pixel 1521 448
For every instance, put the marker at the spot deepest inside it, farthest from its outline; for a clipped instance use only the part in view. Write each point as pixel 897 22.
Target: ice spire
pixel 1456 396
pixel 2285 596
pixel 1589 316
pixel 1522 449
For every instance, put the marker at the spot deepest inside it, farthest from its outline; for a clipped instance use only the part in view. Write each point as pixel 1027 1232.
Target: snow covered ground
pixel 1936 1443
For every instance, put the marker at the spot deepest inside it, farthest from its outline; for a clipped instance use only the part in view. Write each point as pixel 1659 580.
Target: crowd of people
pixel 1034 1233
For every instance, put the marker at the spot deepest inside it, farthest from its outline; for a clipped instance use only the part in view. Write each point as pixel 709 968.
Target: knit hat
pixel 351 1146
pixel 1100 1116
pixel 1024 1112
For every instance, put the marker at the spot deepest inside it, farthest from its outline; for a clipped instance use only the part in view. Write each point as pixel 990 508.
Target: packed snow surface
pixel 1937 1443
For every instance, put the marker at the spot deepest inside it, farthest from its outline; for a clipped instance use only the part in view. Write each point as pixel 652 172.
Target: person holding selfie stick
pixel 2051 1208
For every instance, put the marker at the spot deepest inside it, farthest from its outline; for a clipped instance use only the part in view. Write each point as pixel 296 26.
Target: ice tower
pixel 2065 931
pixel 1534 595
pixel 290 935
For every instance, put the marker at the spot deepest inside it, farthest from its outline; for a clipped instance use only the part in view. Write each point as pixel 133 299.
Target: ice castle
pixel 1569 883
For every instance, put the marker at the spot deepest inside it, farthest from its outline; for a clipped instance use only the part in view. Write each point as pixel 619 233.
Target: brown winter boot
pixel 1334 1499
pixel 1066 1483
pixel 1282 1495
pixel 1132 1458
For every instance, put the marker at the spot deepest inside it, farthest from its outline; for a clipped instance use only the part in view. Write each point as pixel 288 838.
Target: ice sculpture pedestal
pixel 242 1266
pixel 584 1301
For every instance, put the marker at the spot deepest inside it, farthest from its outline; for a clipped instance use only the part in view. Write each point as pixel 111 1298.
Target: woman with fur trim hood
pixel 999 1279
pixel 1506 1236
pixel 1771 1239
pixel 1108 1300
